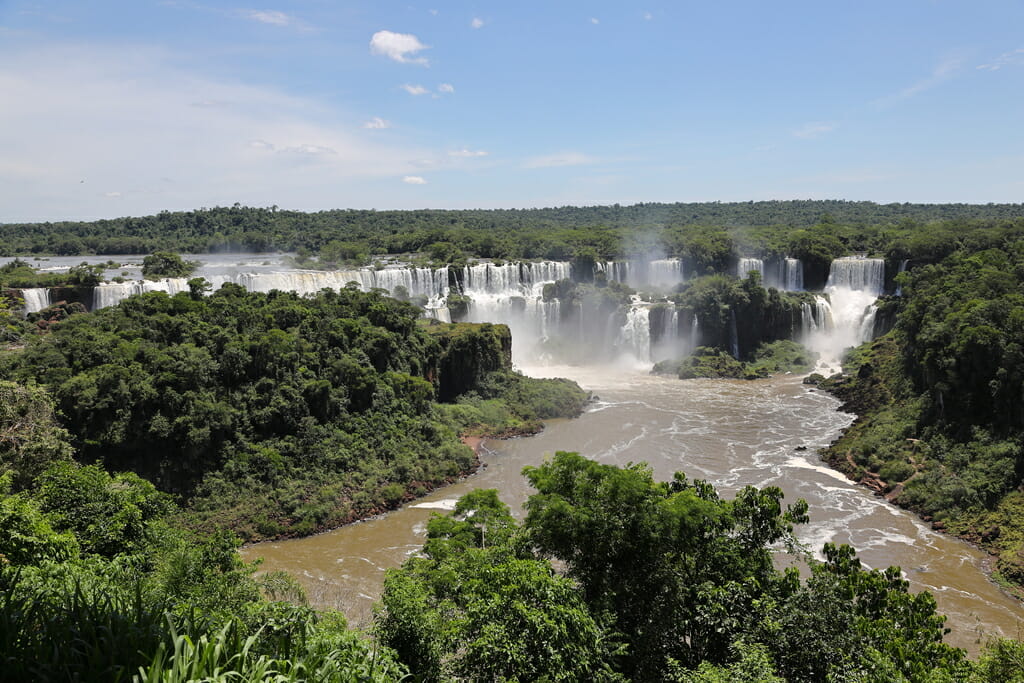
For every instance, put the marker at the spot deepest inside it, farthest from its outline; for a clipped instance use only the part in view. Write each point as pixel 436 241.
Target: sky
pixel 129 108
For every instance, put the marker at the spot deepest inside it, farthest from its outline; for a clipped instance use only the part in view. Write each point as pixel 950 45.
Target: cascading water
pixel 665 272
pixel 846 317
pixel 694 333
pixel 418 282
pixel 35 298
pixel 661 273
pixel 794 275
pixel 112 293
pixel 745 265
pixel 635 335
pixel 615 271
pixel 669 344
pixel 512 294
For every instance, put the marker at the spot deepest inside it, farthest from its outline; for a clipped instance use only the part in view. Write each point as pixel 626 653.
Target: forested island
pixel 140 441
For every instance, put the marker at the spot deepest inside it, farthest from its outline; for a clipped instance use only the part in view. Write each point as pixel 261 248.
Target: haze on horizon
pixel 124 107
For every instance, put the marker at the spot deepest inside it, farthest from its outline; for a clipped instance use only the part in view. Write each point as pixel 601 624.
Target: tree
pixel 679 569
pixel 30 438
pixel 166 264
pixel 475 607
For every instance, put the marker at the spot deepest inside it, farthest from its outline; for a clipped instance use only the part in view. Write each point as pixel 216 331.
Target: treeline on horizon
pixel 553 233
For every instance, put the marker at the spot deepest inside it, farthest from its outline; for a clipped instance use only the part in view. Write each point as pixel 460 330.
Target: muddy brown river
pixel 731 433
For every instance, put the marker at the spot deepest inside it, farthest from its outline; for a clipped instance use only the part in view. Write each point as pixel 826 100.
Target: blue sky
pixel 128 108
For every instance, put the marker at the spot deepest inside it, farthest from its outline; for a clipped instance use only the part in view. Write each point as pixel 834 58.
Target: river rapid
pixel 731 433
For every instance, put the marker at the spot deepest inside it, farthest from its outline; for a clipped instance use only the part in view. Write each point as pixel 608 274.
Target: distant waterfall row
pixel 513 294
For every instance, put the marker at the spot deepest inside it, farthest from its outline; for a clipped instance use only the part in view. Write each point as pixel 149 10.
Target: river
pixel 731 433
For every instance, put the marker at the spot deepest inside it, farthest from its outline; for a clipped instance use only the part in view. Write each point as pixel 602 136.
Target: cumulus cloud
pixel 809 131
pixel 1005 59
pixel 414 180
pixel 648 16
pixel 477 22
pixel 414 89
pixel 467 153
pixel 446 88
pixel 559 159
pixel 377 123
pixel 595 20
pixel 401 47
pixel 270 16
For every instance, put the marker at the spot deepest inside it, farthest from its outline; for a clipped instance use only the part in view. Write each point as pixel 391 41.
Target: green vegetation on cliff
pixel 941 427
pixel 279 414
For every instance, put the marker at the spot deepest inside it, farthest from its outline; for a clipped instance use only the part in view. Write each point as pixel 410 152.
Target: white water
pixel 794 275
pixel 36 299
pixel 745 265
pixel 659 273
pixel 845 316
pixel 582 331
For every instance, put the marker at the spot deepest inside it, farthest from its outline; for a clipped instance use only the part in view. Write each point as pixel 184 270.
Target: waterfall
pixel 617 271
pixel 670 332
pixel 113 293
pixel 665 272
pixel 36 299
pixel 669 344
pixel 661 273
pixel 866 332
pixel 846 317
pixel 635 335
pixel 512 293
pixel 745 265
pixel 858 274
pixel 694 333
pixel 418 282
pixel 794 275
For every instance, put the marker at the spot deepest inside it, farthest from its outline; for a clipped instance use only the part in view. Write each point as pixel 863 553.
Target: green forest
pixel 141 443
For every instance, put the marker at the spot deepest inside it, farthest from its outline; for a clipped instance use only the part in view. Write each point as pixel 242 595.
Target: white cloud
pixel 940 73
pixel 433 11
pixel 414 180
pixel 414 89
pixel 945 70
pixel 809 131
pixel 648 16
pixel 446 88
pixel 124 118
pixel 270 16
pixel 308 150
pixel 467 153
pixel 112 195
pixel 377 123
pixel 595 20
pixel 1005 59
pixel 477 22
pixel 400 47
pixel 560 159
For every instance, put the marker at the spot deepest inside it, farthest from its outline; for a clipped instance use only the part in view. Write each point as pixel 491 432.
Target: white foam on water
pixel 444 504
